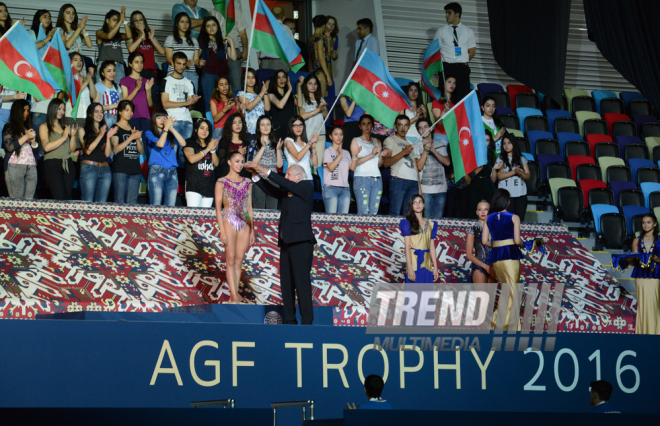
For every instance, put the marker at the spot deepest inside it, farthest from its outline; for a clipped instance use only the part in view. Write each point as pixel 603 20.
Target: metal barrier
pixel 303 404
pixel 231 403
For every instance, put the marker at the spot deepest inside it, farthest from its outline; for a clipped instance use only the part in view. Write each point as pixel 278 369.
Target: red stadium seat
pixel 576 160
pixel 514 89
pixel 612 117
pixel 594 139
pixel 587 185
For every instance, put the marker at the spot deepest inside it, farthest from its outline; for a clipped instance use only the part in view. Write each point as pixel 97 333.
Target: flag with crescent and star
pixel 21 67
pixel 431 65
pixel 372 87
pixel 467 139
pixel 58 63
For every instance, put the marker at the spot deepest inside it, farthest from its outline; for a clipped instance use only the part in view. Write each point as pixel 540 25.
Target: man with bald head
pixel 295 236
pixel 270 61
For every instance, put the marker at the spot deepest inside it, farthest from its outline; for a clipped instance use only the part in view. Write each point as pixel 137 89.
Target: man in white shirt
pixel 196 14
pixel 404 181
pixel 270 61
pixel 237 34
pixel 366 39
pixel 458 47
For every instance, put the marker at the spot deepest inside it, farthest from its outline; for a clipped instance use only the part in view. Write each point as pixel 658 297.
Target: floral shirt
pixel 77 45
pixel 251 117
pixel 26 157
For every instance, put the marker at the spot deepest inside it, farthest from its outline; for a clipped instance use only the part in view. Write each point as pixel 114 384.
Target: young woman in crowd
pixel 95 138
pixel 146 43
pixel 58 142
pixel 109 40
pixel 19 141
pixel 502 233
pixel 512 175
pixel 282 103
pixel 236 221
pixel 353 113
pixel 234 138
pixel 441 141
pixel 127 147
pixel 313 110
pixel 223 104
pixel 319 57
pixel 108 93
pixel 298 149
pixel 336 164
pixel 491 123
pixel 269 155
pixel 331 33
pixel 7 98
pixel 418 110
pixel 162 140
pixel 252 104
pixel 5 19
pixel 182 40
pixel 367 157
pixel 201 161
pixel 478 253
pixel 74 33
pixel 137 89
pixel 213 56
pixel 647 280
pixel 418 235
pixel 86 94
pixel 431 171
pixel 42 22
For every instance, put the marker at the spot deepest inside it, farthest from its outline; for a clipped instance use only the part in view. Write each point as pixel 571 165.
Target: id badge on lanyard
pixel 458 52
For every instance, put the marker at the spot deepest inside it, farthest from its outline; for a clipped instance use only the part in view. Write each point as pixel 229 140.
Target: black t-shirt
pixel 200 176
pixel 128 160
pixel 98 154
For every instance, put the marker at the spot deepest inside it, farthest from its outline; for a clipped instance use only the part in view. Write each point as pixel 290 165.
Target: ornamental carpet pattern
pixel 66 257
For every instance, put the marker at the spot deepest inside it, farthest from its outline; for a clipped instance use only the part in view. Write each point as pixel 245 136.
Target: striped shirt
pixel 182 47
pixel 108 97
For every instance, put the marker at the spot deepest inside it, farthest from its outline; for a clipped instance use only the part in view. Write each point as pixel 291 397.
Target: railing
pixel 303 404
pixel 231 403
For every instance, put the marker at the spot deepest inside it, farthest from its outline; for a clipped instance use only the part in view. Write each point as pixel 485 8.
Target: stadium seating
pixel 523 113
pixel 639 107
pixel 588 184
pixel 576 148
pixel 626 97
pixel 653 200
pixel 527 100
pixel 635 151
pixel 501 98
pixel 631 197
pixel 609 105
pixel 630 212
pixel 640 120
pixel 624 128
pixel 544 160
pixel 583 116
pixel 575 160
pixel 647 189
pixel 607 162
pixel 534 135
pixel 570 204
pixel 558 170
pixel 588 171
pixel 597 210
pixel 502 110
pixel 528 156
pixel 534 182
pixel 651 142
pixel 547 146
pixel 606 149
pixel 566 124
pixel 565 137
pixel 624 141
pixel 571 93
pixel 650 129
pixel 524 145
pixel 612 118
pixel 595 139
pixel 486 88
pixel 648 174
pixel 600 95
pixel 515 89
pixel 617 187
pixel 615 231
pixel 556 183
pixel 583 103
pixel 511 121
pixel 620 173
pixel 553 114
pixel 517 133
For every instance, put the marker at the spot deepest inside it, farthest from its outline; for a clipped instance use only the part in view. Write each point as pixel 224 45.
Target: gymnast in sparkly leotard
pixel 233 206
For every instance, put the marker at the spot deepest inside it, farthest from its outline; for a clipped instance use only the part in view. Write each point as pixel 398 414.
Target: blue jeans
pixel 336 199
pixel 163 184
pixel 194 79
pixel 95 182
pixel 400 192
pixel 434 204
pixel 368 192
pixel 185 130
pixel 126 187
pixel 207 87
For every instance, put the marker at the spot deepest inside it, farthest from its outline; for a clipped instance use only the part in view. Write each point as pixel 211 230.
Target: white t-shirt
pixel 314 123
pixel 432 176
pixel 412 134
pixel 451 53
pixel 515 184
pixel 179 90
pixel 304 162
pixel 405 168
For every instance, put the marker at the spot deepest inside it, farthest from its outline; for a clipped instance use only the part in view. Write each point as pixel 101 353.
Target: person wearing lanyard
pixel 196 14
pixel 458 47
pixel 366 40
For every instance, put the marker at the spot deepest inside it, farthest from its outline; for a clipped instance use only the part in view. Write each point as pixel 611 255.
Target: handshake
pixel 255 168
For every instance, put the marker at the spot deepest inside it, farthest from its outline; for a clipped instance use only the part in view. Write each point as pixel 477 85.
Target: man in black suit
pixel 295 237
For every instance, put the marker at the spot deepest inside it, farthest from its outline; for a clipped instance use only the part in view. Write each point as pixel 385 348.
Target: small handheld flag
pixel 431 65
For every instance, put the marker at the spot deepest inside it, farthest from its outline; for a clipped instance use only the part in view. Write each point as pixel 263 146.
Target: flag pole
pixel 247 61
pixel 438 120
pixel 342 90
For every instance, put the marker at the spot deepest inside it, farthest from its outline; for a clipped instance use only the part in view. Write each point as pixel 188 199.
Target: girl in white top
pixel 88 91
pixel 298 149
pixel 313 109
pixel 72 31
pixel 367 156
pixel 418 111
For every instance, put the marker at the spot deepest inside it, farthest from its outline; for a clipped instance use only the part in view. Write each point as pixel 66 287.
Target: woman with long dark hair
pixel 319 57
pixel 135 88
pixel 162 140
pixel 269 155
pixel 109 40
pixel 201 161
pixel 418 110
pixel 298 149
pixel 182 40
pixel 512 175
pixel 253 104
pixel 367 156
pixel 95 174
pixel 87 91
pixel 5 19
pixel 127 147
pixel 59 142
pixel 234 138
pixel 223 105
pixel 502 233
pixel 42 23
pixel 73 32
pixel 19 141
pixel 145 42
pixel 313 110
pixel 492 123
pixel 418 235
pixel 336 165
pixel 282 103
pixel 647 278
pixel 213 56
pixel 482 271
pixel 108 93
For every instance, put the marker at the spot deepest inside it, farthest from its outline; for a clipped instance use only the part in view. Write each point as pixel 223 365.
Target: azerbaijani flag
pixel 24 71
pixel 228 11
pixel 431 65
pixel 41 36
pixel 58 64
pixel 270 37
pixel 372 87
pixel 467 139
pixel 77 83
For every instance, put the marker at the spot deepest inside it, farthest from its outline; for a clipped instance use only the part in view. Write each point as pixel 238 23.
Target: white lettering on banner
pixel 437 366
pixel 161 370
pixel 530 386
pixel 339 366
pixel 234 357
pixel 216 364
pixel 402 365
pixel 483 367
pixel 386 362
pixel 299 347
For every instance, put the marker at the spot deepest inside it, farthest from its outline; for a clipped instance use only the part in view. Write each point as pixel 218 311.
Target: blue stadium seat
pixel 523 113
pixel 486 88
pixel 631 211
pixel 564 137
pixel 636 163
pixel 503 110
pixel 534 135
pixel 597 210
pixel 553 114
pixel 618 186
pixel 623 141
pixel 629 96
pixel 647 189
pixel 545 159
pixel 643 119
pixel 599 95
pixel 209 117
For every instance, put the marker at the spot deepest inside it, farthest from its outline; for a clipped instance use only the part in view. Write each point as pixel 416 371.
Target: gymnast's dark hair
pixel 500 200
pixel 411 216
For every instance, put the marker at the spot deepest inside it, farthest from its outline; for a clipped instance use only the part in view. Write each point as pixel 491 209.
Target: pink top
pixel 26 158
pixel 235 200
pixel 339 176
